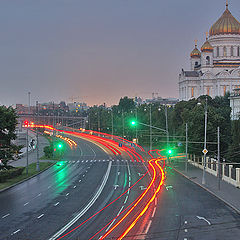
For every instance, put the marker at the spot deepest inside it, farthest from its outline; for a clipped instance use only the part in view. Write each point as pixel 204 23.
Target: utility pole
pixel 136 126
pixel 99 129
pixel 27 130
pixel 112 122
pixel 219 174
pixel 53 119
pixel 186 161
pixel 123 123
pixel 205 146
pixel 166 116
pixel 150 119
pixel 37 166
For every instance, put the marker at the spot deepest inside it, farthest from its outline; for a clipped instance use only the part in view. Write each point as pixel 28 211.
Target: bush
pixel 48 151
pixel 11 173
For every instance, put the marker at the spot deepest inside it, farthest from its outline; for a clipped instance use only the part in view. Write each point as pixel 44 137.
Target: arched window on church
pixel 217 51
pixel 238 51
pixel 232 51
pixel 207 60
pixel 192 92
pixel 224 51
pixel 224 90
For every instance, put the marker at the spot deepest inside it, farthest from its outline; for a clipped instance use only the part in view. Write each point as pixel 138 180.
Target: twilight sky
pixel 99 50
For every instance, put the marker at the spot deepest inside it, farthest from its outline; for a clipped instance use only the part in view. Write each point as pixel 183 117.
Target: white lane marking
pixel 185 230
pixel 56 204
pixel 120 210
pixel 110 225
pixel 154 211
pixel 16 232
pixel 86 160
pixel 49 187
pixel 83 175
pixel 126 199
pixel 185 222
pixel 86 208
pixel 80 180
pixel 149 225
pixel 129 184
pixel 6 215
pixel 67 194
pixel 25 204
pixel 86 171
pixel 118 173
pixel 115 186
pixel 82 161
pixel 78 161
pixel 74 186
pixel 185 239
pixel 155 201
pixel 168 187
pixel 39 195
pixel 40 216
pixel 204 219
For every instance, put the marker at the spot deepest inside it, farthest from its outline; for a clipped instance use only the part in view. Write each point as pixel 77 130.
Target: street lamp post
pixel 186 160
pixel 150 120
pixel 27 130
pixel 112 122
pixel 37 123
pixel 123 124
pixel 166 116
pixel 136 126
pixel 205 147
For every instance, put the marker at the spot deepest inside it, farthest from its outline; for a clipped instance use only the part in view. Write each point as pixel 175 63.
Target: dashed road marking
pixel 16 232
pixel 56 204
pixel 67 194
pixel 74 186
pixel 25 204
pixel 6 215
pixel 40 216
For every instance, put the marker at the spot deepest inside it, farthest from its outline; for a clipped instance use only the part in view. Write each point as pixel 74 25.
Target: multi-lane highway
pixel 102 191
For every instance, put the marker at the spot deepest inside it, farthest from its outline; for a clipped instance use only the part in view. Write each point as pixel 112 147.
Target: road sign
pixel 120 144
pixel 205 151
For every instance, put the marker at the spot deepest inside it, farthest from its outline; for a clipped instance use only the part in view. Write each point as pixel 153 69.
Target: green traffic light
pixel 133 123
pixel 169 151
pixel 59 145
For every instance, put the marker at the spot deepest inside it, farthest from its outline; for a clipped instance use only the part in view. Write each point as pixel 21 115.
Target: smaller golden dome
pixel 195 52
pixel 207 47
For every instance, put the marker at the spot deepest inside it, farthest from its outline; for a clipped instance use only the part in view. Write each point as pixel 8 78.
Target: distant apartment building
pixel 77 107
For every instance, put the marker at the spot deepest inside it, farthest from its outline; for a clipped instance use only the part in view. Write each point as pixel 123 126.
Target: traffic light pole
pixel 205 147
pixel 186 160
pixel 27 131
pixel 150 119
pixel 219 174
pixel 37 165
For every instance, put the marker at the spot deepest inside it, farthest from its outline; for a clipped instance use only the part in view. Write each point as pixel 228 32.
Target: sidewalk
pixel 32 155
pixel 228 193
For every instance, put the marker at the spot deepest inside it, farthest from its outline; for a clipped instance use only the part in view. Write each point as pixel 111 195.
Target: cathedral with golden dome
pixel 215 68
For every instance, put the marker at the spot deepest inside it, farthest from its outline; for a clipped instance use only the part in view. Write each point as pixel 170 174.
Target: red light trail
pixel 141 204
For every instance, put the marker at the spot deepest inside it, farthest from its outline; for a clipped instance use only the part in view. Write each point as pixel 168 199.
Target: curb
pixel 26 179
pixel 208 190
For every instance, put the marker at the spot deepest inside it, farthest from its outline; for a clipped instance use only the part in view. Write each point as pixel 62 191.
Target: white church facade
pixel 215 69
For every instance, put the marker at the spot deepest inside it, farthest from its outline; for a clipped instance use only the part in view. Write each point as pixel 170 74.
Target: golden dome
pixel 195 53
pixel 207 47
pixel 226 24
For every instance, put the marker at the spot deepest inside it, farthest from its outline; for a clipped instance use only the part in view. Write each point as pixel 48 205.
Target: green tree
pixel 8 122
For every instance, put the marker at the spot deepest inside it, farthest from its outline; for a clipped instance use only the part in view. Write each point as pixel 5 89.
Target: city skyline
pixel 99 51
